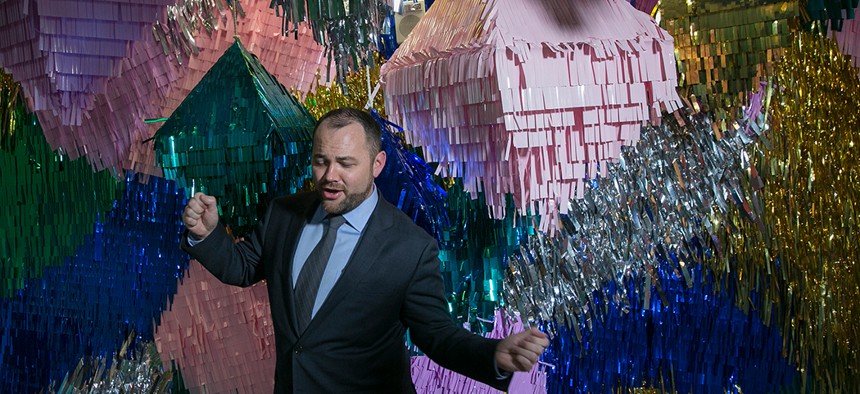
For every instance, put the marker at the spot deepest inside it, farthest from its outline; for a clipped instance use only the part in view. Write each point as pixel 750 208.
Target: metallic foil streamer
pixel 698 342
pixel 725 49
pixel 353 92
pixel 136 371
pixel 408 182
pixel 668 198
pixel 348 29
pixel 120 279
pixel 681 209
pixel 239 136
pixel 48 203
pixel 831 12
pixel 811 205
pixel 9 117
pixel 185 20
pixel 473 252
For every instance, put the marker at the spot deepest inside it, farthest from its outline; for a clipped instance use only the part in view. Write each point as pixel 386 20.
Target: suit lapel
pixel 363 257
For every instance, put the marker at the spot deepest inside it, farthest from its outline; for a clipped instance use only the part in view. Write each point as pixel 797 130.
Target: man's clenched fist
pixel 200 216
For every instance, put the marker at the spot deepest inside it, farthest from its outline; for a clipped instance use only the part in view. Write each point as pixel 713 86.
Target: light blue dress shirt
pixel 347 238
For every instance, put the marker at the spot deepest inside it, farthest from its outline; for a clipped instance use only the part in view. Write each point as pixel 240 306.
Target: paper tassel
pixel 120 279
pixel 529 98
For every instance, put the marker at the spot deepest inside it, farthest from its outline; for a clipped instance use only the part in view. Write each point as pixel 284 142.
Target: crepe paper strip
pixel 150 86
pixel 529 98
pixel 647 6
pixel 110 134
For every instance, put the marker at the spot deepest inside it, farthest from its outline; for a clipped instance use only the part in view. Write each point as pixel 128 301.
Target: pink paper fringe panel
pixel 220 336
pixel 849 38
pixel 528 97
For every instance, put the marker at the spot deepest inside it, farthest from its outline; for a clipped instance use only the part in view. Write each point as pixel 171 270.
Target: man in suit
pixel 347 274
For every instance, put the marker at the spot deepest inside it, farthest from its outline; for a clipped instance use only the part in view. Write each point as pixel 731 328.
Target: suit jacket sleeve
pixel 238 264
pixel 426 314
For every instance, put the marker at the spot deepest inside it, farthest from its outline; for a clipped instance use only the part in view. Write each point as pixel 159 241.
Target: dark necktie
pixel 308 283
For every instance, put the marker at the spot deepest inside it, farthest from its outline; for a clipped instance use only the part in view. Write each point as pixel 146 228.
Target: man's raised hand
pixel 200 216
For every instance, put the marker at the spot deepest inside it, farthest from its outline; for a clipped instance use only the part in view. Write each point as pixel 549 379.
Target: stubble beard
pixel 350 201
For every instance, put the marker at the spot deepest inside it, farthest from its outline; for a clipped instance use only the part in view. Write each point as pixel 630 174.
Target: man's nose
pixel 331 173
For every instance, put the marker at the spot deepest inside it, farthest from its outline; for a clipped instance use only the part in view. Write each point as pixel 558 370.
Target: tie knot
pixel 335 221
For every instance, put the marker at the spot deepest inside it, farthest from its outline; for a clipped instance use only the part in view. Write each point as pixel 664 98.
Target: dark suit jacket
pixel 355 342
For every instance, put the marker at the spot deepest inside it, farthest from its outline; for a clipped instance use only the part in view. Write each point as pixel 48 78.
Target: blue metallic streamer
pixel 699 343
pixel 120 279
pixel 407 181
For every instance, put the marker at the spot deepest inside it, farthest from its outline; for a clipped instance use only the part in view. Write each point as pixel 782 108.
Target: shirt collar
pixel 358 217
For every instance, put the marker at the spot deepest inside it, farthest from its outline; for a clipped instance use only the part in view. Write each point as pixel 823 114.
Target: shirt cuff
pixel 500 374
pixel 192 240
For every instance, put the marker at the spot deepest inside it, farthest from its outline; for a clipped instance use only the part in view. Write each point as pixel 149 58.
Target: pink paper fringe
pixel 529 97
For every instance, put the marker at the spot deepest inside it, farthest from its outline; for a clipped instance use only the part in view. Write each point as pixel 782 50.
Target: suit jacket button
pixel 298 349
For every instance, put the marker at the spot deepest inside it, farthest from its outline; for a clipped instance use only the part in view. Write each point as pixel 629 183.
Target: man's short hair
pixel 341 117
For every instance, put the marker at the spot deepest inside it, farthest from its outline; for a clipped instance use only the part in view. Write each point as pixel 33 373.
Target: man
pixel 347 274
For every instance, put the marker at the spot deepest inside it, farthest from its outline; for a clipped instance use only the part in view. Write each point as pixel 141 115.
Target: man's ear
pixel 378 163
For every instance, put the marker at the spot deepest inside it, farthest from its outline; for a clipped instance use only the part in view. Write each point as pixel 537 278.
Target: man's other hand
pixel 519 352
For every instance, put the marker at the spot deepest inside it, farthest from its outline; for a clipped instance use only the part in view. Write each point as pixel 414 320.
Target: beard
pixel 347 203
